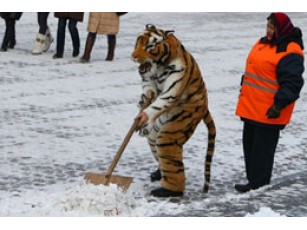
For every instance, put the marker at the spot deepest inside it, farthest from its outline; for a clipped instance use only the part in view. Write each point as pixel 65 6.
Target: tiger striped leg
pixel 171 165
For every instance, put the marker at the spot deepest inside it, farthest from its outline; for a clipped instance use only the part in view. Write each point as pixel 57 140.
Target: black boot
pixel 162 192
pixel 57 56
pixel 243 188
pixel 111 47
pixel 155 176
pixel 75 52
pixel 88 48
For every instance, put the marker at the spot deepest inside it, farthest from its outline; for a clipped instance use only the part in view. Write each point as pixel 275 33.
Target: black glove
pixel 273 112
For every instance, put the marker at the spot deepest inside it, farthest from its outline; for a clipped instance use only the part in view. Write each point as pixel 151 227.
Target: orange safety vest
pixel 260 85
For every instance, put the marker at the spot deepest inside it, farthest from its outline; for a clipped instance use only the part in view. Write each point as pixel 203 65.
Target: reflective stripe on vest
pixel 258 85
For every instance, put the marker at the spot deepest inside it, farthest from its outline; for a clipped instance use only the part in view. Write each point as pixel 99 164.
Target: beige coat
pixel 103 23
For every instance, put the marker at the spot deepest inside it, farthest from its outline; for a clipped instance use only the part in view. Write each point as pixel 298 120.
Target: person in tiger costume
pixel 172 80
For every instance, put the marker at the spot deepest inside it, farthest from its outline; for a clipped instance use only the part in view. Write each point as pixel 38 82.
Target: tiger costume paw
pixel 144 130
pixel 162 192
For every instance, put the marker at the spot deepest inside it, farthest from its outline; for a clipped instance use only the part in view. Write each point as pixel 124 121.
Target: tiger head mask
pixel 154 47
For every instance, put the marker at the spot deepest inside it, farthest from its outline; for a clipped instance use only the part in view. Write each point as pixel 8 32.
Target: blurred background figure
pixel 9 39
pixel 44 38
pixel 101 23
pixel 72 18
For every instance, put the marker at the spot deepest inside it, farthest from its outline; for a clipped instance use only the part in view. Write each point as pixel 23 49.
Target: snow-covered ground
pixel 60 119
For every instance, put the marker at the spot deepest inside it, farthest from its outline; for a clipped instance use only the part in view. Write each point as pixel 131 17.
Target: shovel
pixel 107 178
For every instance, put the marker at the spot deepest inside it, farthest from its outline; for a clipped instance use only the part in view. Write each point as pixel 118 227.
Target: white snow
pixel 60 119
pixel 264 212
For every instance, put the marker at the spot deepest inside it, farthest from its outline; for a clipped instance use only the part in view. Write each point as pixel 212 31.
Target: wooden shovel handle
pixel 119 153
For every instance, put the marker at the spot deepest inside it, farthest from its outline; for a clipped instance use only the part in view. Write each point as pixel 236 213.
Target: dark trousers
pixel 259 146
pixel 9 35
pixel 72 26
pixel 42 21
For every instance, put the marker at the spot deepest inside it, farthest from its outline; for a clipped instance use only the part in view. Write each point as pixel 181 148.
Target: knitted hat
pixel 282 23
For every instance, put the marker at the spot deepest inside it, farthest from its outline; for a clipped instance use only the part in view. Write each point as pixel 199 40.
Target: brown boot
pixel 111 47
pixel 90 40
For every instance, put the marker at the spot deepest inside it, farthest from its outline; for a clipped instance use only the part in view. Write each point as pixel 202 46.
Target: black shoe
pixel 75 53
pixel 3 49
pixel 57 56
pixel 11 44
pixel 243 188
pixel 155 176
pixel 162 192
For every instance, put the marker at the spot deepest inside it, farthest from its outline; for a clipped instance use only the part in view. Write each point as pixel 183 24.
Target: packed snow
pixel 60 119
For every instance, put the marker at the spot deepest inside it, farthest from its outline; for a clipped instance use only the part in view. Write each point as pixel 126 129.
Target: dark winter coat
pixel 11 15
pixel 70 15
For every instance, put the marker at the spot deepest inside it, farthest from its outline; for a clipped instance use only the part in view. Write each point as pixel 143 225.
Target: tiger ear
pixel 151 27
pixel 169 32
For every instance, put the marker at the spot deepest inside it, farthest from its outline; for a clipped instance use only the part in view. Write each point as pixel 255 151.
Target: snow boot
pixel 162 192
pixel 39 44
pixel 156 175
pixel 48 40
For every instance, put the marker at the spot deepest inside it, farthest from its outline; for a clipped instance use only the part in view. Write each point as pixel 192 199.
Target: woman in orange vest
pixel 269 88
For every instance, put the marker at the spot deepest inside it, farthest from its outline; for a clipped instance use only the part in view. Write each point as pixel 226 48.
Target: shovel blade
pixel 98 178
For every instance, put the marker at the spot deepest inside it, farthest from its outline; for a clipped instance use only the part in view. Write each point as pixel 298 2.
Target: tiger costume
pixel 180 102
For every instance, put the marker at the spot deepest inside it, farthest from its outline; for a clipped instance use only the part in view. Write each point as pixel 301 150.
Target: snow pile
pixel 96 200
pixel 78 199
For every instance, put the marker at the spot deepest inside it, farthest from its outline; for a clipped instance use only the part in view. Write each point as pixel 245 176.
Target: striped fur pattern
pixel 169 72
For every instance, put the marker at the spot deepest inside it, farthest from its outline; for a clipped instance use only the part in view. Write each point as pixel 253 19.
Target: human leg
pixel 42 22
pixel 40 39
pixel 11 33
pixel 5 40
pixel 72 25
pixel 264 147
pixel 111 47
pixel 90 41
pixel 60 38
pixel 248 139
